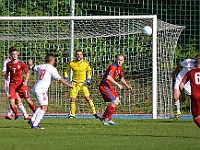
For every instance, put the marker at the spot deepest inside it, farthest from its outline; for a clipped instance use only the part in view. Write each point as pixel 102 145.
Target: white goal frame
pixel 154 41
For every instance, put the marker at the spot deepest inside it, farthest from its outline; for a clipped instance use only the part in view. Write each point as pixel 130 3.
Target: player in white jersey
pixel 45 73
pixel 186 66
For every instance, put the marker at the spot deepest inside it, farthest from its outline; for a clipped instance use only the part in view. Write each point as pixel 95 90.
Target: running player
pixel 186 65
pixel 80 69
pixel 108 93
pixel 14 71
pixel 194 77
pixel 45 73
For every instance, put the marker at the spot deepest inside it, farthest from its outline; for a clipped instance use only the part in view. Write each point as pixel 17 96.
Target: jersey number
pixel 42 73
pixel 197 78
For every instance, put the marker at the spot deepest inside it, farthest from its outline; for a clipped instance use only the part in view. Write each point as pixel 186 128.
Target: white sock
pixel 35 114
pixel 177 105
pixel 10 112
pixel 39 117
pixel 23 110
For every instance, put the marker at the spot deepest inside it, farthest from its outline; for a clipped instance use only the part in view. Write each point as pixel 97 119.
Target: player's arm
pixel 110 78
pixel 89 75
pixel 66 72
pixel 124 83
pixel 3 73
pixel 176 70
pixel 25 68
pixel 63 81
pixel 184 81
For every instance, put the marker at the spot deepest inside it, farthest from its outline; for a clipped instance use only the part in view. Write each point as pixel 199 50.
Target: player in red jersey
pixel 194 77
pixel 108 93
pixel 15 69
pixel 23 93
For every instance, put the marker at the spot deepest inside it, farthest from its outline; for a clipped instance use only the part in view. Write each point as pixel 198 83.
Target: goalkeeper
pixel 81 69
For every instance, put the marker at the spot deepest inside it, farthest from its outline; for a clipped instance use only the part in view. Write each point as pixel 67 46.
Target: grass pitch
pixel 90 134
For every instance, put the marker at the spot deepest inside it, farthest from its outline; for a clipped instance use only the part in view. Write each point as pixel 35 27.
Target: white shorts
pixel 187 87
pixel 42 98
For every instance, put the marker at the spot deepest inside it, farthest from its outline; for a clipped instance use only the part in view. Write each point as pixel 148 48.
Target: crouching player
pixel 194 77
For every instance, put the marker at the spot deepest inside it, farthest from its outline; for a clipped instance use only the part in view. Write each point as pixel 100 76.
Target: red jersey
pixel 194 77
pixel 114 71
pixel 16 70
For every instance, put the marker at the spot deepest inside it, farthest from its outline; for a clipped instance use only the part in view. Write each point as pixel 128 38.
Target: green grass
pixel 90 134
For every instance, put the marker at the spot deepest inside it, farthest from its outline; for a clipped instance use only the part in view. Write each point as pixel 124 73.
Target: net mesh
pixel 101 41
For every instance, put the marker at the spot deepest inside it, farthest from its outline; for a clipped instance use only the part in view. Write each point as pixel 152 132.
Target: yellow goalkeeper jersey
pixel 81 70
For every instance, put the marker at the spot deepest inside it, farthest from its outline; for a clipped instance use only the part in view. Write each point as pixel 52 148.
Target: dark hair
pixel 49 57
pixel 197 61
pixel 79 51
pixel 198 55
pixel 12 49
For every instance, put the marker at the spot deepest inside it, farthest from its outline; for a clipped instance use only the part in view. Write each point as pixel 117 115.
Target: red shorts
pixel 108 92
pixel 14 88
pixel 195 104
pixel 23 92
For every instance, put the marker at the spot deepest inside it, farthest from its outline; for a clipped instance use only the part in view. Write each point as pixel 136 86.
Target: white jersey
pixel 8 79
pixel 45 74
pixel 186 65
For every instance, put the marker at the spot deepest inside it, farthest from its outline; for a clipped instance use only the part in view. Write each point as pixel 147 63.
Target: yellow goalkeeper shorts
pixel 78 87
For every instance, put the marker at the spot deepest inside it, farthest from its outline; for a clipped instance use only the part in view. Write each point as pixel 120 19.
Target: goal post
pixel 148 59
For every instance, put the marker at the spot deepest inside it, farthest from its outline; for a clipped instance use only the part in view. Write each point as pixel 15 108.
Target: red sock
pixel 33 108
pixel 109 112
pixel 197 121
pixel 14 109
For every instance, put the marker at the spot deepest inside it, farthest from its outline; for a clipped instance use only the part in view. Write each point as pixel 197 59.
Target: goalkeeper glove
pixel 88 81
pixel 66 79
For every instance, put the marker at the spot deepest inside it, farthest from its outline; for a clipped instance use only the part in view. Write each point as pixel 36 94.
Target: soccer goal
pixel 148 59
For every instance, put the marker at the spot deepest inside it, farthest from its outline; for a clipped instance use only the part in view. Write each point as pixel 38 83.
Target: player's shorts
pixel 108 92
pixel 187 87
pixel 79 87
pixel 23 92
pixel 14 88
pixel 195 104
pixel 42 98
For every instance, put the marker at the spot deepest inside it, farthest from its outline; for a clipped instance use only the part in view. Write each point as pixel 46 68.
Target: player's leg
pixel 22 108
pixel 86 94
pixel 12 97
pixel 176 95
pixel 23 93
pixel 31 104
pixel 109 95
pixel 42 99
pixel 73 94
pixel 10 112
pixel 195 108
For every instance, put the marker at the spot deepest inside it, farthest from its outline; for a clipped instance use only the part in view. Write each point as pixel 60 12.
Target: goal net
pixel 101 39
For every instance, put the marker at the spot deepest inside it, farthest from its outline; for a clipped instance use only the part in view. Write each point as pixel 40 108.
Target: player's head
pixel 13 52
pixel 198 55
pixel 49 58
pixel 79 55
pixel 119 59
pixel 197 62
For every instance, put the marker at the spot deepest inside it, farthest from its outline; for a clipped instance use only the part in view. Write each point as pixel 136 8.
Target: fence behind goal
pixel 101 40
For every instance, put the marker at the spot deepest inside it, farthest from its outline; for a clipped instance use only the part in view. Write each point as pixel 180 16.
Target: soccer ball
pixel 147 30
